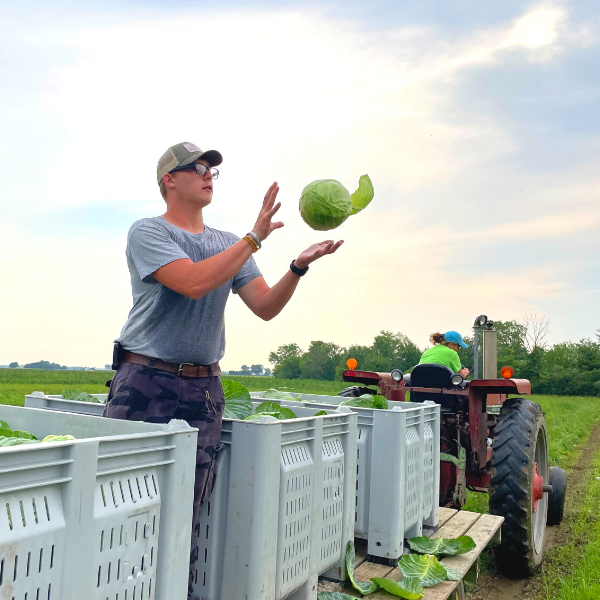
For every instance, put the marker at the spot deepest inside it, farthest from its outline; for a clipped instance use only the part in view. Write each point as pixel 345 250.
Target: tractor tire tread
pixel 509 483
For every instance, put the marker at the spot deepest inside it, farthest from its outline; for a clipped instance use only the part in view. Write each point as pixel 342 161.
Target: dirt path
pixel 493 586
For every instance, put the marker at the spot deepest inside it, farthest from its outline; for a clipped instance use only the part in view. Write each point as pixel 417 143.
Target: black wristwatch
pixel 296 271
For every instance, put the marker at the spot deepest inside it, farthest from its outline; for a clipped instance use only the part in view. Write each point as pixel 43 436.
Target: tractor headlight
pixel 480 321
pixel 457 379
pixel 397 375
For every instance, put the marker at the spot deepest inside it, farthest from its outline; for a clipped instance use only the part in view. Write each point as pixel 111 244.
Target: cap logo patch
pixel 191 147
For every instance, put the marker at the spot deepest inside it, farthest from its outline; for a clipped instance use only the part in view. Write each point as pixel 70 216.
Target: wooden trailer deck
pixel 482 528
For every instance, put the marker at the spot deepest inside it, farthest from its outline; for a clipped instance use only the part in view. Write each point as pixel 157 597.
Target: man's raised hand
pixel 264 226
pixel 315 251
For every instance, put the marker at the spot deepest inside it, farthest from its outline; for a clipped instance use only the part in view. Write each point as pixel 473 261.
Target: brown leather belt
pixel 182 369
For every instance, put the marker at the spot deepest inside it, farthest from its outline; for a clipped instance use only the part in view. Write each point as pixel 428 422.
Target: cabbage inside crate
pixel 282 509
pixel 102 517
pixel 397 477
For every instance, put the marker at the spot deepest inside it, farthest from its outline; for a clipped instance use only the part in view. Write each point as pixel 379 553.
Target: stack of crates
pixel 397 477
pixel 282 509
pixel 103 516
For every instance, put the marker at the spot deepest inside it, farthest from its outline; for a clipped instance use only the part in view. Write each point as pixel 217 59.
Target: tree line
pixel 567 368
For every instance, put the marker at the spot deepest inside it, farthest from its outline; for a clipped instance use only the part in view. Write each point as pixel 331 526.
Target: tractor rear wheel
pixel 556 500
pixel 519 472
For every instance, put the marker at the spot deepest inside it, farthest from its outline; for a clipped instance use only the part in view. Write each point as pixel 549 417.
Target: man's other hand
pixel 264 226
pixel 316 251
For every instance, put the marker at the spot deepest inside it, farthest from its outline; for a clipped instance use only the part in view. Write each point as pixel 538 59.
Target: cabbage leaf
pixel 273 394
pixel 452 574
pixel 367 401
pixel 17 434
pixel 441 546
pixel 79 396
pixel 4 425
pixel 334 596
pixel 363 195
pixel 58 438
pixel 425 567
pixel 7 441
pixel 409 588
pixel 364 587
pixel 237 400
pixel 275 410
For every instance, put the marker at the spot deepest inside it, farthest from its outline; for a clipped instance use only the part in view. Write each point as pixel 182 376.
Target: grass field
pixel 15 383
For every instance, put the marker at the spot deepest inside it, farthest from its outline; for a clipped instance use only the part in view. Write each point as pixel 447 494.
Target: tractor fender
pixel 502 386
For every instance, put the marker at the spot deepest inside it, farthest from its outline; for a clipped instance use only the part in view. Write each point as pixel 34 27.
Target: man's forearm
pixel 272 301
pixel 195 280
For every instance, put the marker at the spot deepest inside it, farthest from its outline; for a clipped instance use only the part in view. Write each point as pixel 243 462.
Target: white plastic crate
pixel 282 509
pixel 106 516
pixel 398 472
pixel 57 402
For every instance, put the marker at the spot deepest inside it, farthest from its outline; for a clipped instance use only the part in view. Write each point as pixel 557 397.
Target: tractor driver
pixel 182 272
pixel 445 351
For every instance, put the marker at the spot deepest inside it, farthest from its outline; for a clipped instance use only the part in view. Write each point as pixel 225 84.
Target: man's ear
pixel 168 180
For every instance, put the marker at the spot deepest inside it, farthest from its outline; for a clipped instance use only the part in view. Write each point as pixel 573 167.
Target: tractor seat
pixel 431 375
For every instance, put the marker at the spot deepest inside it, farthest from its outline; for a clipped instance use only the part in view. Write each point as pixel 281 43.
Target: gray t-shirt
pixel 162 323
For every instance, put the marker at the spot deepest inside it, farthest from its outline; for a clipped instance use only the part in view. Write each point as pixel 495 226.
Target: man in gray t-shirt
pixel 181 274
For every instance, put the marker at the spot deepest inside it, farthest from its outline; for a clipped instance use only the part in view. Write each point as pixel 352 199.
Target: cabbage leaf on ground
pixel 237 400
pixel 441 546
pixel 409 588
pixel 325 203
pixel 367 401
pixel 334 596
pixel 364 587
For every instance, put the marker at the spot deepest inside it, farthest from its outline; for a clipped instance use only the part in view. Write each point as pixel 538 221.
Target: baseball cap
pixel 183 154
pixel 455 337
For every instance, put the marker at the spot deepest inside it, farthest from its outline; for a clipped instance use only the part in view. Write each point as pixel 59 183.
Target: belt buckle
pixel 181 365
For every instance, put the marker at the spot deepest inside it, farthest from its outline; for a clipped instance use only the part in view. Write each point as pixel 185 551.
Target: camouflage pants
pixel 139 393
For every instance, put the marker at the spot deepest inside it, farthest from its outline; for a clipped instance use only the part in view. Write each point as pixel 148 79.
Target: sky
pixel 478 123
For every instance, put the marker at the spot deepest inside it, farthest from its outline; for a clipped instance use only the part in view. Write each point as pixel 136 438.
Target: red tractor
pixel 489 443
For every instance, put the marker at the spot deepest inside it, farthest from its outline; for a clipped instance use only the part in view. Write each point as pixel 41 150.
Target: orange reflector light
pixel 506 372
pixel 351 363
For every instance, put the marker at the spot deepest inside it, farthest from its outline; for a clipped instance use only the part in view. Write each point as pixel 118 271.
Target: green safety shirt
pixel 442 355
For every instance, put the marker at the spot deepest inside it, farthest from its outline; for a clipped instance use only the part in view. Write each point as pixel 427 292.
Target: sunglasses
pixel 200 169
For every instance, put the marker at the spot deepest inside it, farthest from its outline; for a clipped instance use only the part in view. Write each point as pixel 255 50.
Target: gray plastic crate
pixel 81 519
pixel 282 509
pixel 398 472
pixel 57 402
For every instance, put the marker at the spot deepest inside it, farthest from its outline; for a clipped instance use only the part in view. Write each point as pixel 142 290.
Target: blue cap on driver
pixel 454 336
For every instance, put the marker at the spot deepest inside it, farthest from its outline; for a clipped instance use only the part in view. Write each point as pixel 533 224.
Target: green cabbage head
pixel 326 203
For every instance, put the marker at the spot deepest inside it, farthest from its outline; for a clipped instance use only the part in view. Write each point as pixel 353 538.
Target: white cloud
pixel 287 95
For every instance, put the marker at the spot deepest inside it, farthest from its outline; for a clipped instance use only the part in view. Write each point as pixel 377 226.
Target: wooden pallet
pixel 482 528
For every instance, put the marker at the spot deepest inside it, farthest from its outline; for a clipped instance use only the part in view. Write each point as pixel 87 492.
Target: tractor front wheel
pixel 556 501
pixel 520 473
